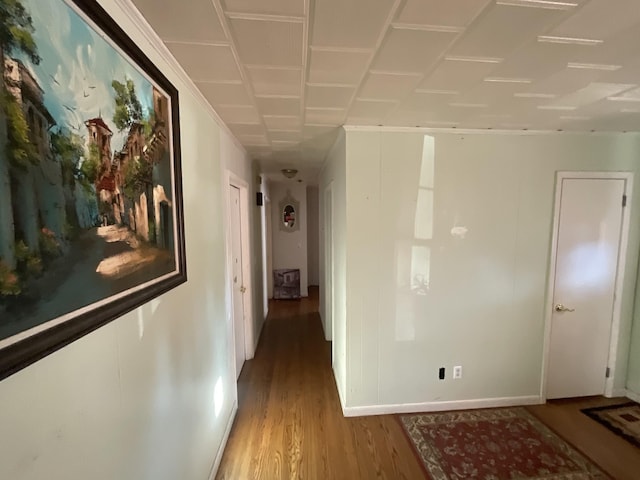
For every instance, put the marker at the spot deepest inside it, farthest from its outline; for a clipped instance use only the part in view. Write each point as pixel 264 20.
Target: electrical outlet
pixel 457 372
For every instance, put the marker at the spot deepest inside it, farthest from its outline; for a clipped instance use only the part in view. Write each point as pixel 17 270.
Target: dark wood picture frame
pixel 29 348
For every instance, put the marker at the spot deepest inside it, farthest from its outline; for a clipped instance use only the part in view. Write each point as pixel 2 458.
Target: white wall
pixel 136 399
pixel 484 305
pixel 313 239
pixel 290 248
pixel 333 182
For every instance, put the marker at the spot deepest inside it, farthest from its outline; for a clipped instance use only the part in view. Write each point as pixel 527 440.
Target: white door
pixel 587 249
pixel 237 286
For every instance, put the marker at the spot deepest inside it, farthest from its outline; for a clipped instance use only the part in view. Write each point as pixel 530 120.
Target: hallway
pixel 290 426
pixel 289 423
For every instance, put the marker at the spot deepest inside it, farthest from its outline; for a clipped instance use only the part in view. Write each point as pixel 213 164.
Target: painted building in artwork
pixel 134 185
pixel 36 191
pixel 132 206
pixel 99 144
pixel 7 232
pixel 158 151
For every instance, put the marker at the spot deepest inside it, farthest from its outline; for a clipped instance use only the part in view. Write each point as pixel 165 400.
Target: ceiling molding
pixel 479 131
pixel 283 97
pixel 334 85
pixel 427 28
pixel 396 73
pixel 264 17
pixel 376 100
pixel 305 61
pixel 280 116
pixel 255 66
pixel 544 4
pixel 219 82
pixel 315 48
pixel 203 44
pixel 326 109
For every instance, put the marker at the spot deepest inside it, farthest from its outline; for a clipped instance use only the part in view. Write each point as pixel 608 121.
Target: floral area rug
pixel 624 420
pixel 496 444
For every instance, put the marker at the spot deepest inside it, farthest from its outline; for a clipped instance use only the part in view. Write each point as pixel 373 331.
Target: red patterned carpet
pixel 496 444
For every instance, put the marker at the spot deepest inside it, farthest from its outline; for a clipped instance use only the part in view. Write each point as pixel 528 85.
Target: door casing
pixel 247 254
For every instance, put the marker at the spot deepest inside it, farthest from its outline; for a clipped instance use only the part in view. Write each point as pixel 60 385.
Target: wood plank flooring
pixel 612 453
pixel 290 426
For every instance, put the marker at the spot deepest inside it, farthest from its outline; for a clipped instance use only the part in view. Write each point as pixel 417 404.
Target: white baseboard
pixel 223 444
pixel 340 393
pixel 631 395
pixel 441 406
pixel 619 392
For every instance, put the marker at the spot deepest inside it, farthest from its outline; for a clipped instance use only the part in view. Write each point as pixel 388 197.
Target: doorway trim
pixel 619 282
pixel 232 180
pixel 329 271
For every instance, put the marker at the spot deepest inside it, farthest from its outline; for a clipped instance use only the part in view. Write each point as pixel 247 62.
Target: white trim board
pixel 161 49
pixel 250 341
pixel 631 395
pixel 618 392
pixel 476 131
pixel 442 406
pixel 340 394
pixel 223 444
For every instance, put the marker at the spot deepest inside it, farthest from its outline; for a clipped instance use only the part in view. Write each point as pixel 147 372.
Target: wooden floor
pixel 612 453
pixel 290 426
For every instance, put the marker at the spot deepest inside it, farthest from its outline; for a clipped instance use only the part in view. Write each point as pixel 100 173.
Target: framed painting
pixel 91 216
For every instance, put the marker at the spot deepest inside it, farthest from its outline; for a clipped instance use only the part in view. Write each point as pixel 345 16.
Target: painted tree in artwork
pixel 16 30
pixel 16 37
pixel 128 108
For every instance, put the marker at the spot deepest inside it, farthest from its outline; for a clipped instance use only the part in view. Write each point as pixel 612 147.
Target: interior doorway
pixel 239 271
pixel 587 268
pixel 237 287
pixel 269 235
pixel 328 268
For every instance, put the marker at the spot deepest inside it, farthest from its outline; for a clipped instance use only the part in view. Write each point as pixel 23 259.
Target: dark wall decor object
pixel 91 215
pixel 286 284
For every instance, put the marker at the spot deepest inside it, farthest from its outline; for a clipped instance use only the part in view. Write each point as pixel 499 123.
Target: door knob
pixel 561 308
pixel 243 289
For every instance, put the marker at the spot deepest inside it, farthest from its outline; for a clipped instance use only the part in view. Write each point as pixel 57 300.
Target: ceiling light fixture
pixel 289 172
pixel 569 40
pixel 507 80
pixel 547 4
pixel 594 66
